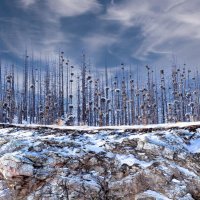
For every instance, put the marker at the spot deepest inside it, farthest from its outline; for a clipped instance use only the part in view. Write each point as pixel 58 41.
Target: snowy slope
pixel 58 164
pixel 122 127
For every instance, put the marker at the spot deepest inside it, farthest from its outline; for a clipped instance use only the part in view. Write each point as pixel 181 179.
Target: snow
pixel 103 140
pixel 23 133
pixel 155 140
pixel 4 193
pixel 131 160
pixel 102 137
pixel 6 130
pixel 142 137
pixel 194 146
pixel 121 128
pixel 184 170
pixel 157 195
pixel 175 180
pixel 94 148
pixel 69 152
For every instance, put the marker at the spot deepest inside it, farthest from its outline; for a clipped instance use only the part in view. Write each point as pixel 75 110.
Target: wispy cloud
pixel 139 31
pixel 163 24
pixel 69 8
pixel 22 35
pixel 27 3
pixel 95 42
pixel 41 28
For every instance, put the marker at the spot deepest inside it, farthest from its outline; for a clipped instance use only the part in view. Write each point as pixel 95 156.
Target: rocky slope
pixel 47 164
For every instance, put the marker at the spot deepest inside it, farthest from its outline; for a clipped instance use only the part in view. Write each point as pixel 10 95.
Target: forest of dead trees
pixel 62 93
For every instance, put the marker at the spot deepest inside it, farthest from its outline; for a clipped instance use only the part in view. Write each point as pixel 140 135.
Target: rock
pixel 12 165
pixel 5 194
pixel 58 165
pixel 187 197
pixel 3 141
pixel 152 148
pixel 99 169
pixel 151 195
pixel 93 161
pixel 44 173
pixel 140 145
pixel 168 153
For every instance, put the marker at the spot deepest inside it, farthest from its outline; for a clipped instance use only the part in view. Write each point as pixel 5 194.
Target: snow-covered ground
pixel 111 162
pixel 122 127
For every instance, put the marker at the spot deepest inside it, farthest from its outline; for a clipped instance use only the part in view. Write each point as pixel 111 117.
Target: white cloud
pixel 70 8
pixel 27 3
pixel 95 42
pixel 47 37
pixel 167 27
pixel 164 24
pixel 23 35
pixel 65 8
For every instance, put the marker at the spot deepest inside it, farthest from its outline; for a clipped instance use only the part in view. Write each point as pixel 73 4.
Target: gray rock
pixel 43 166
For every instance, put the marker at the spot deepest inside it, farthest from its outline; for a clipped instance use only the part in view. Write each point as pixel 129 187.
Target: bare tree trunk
pixel 25 92
pixel 78 101
pixel 84 114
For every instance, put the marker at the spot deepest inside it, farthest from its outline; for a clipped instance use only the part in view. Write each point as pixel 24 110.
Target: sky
pixel 135 32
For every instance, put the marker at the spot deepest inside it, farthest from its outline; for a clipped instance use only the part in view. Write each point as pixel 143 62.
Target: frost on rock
pixel 194 146
pixel 99 164
pixel 149 194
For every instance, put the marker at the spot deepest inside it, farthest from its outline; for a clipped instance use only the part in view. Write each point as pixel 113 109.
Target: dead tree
pixel 61 85
pixel 107 111
pixel 96 102
pixel 163 98
pixel 89 101
pixel 132 95
pixel 124 118
pixel 70 117
pixel 83 88
pixel 67 86
pixel 78 101
pixel 32 96
pixel 25 90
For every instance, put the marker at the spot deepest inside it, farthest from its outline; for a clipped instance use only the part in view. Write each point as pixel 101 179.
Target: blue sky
pixel 136 32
